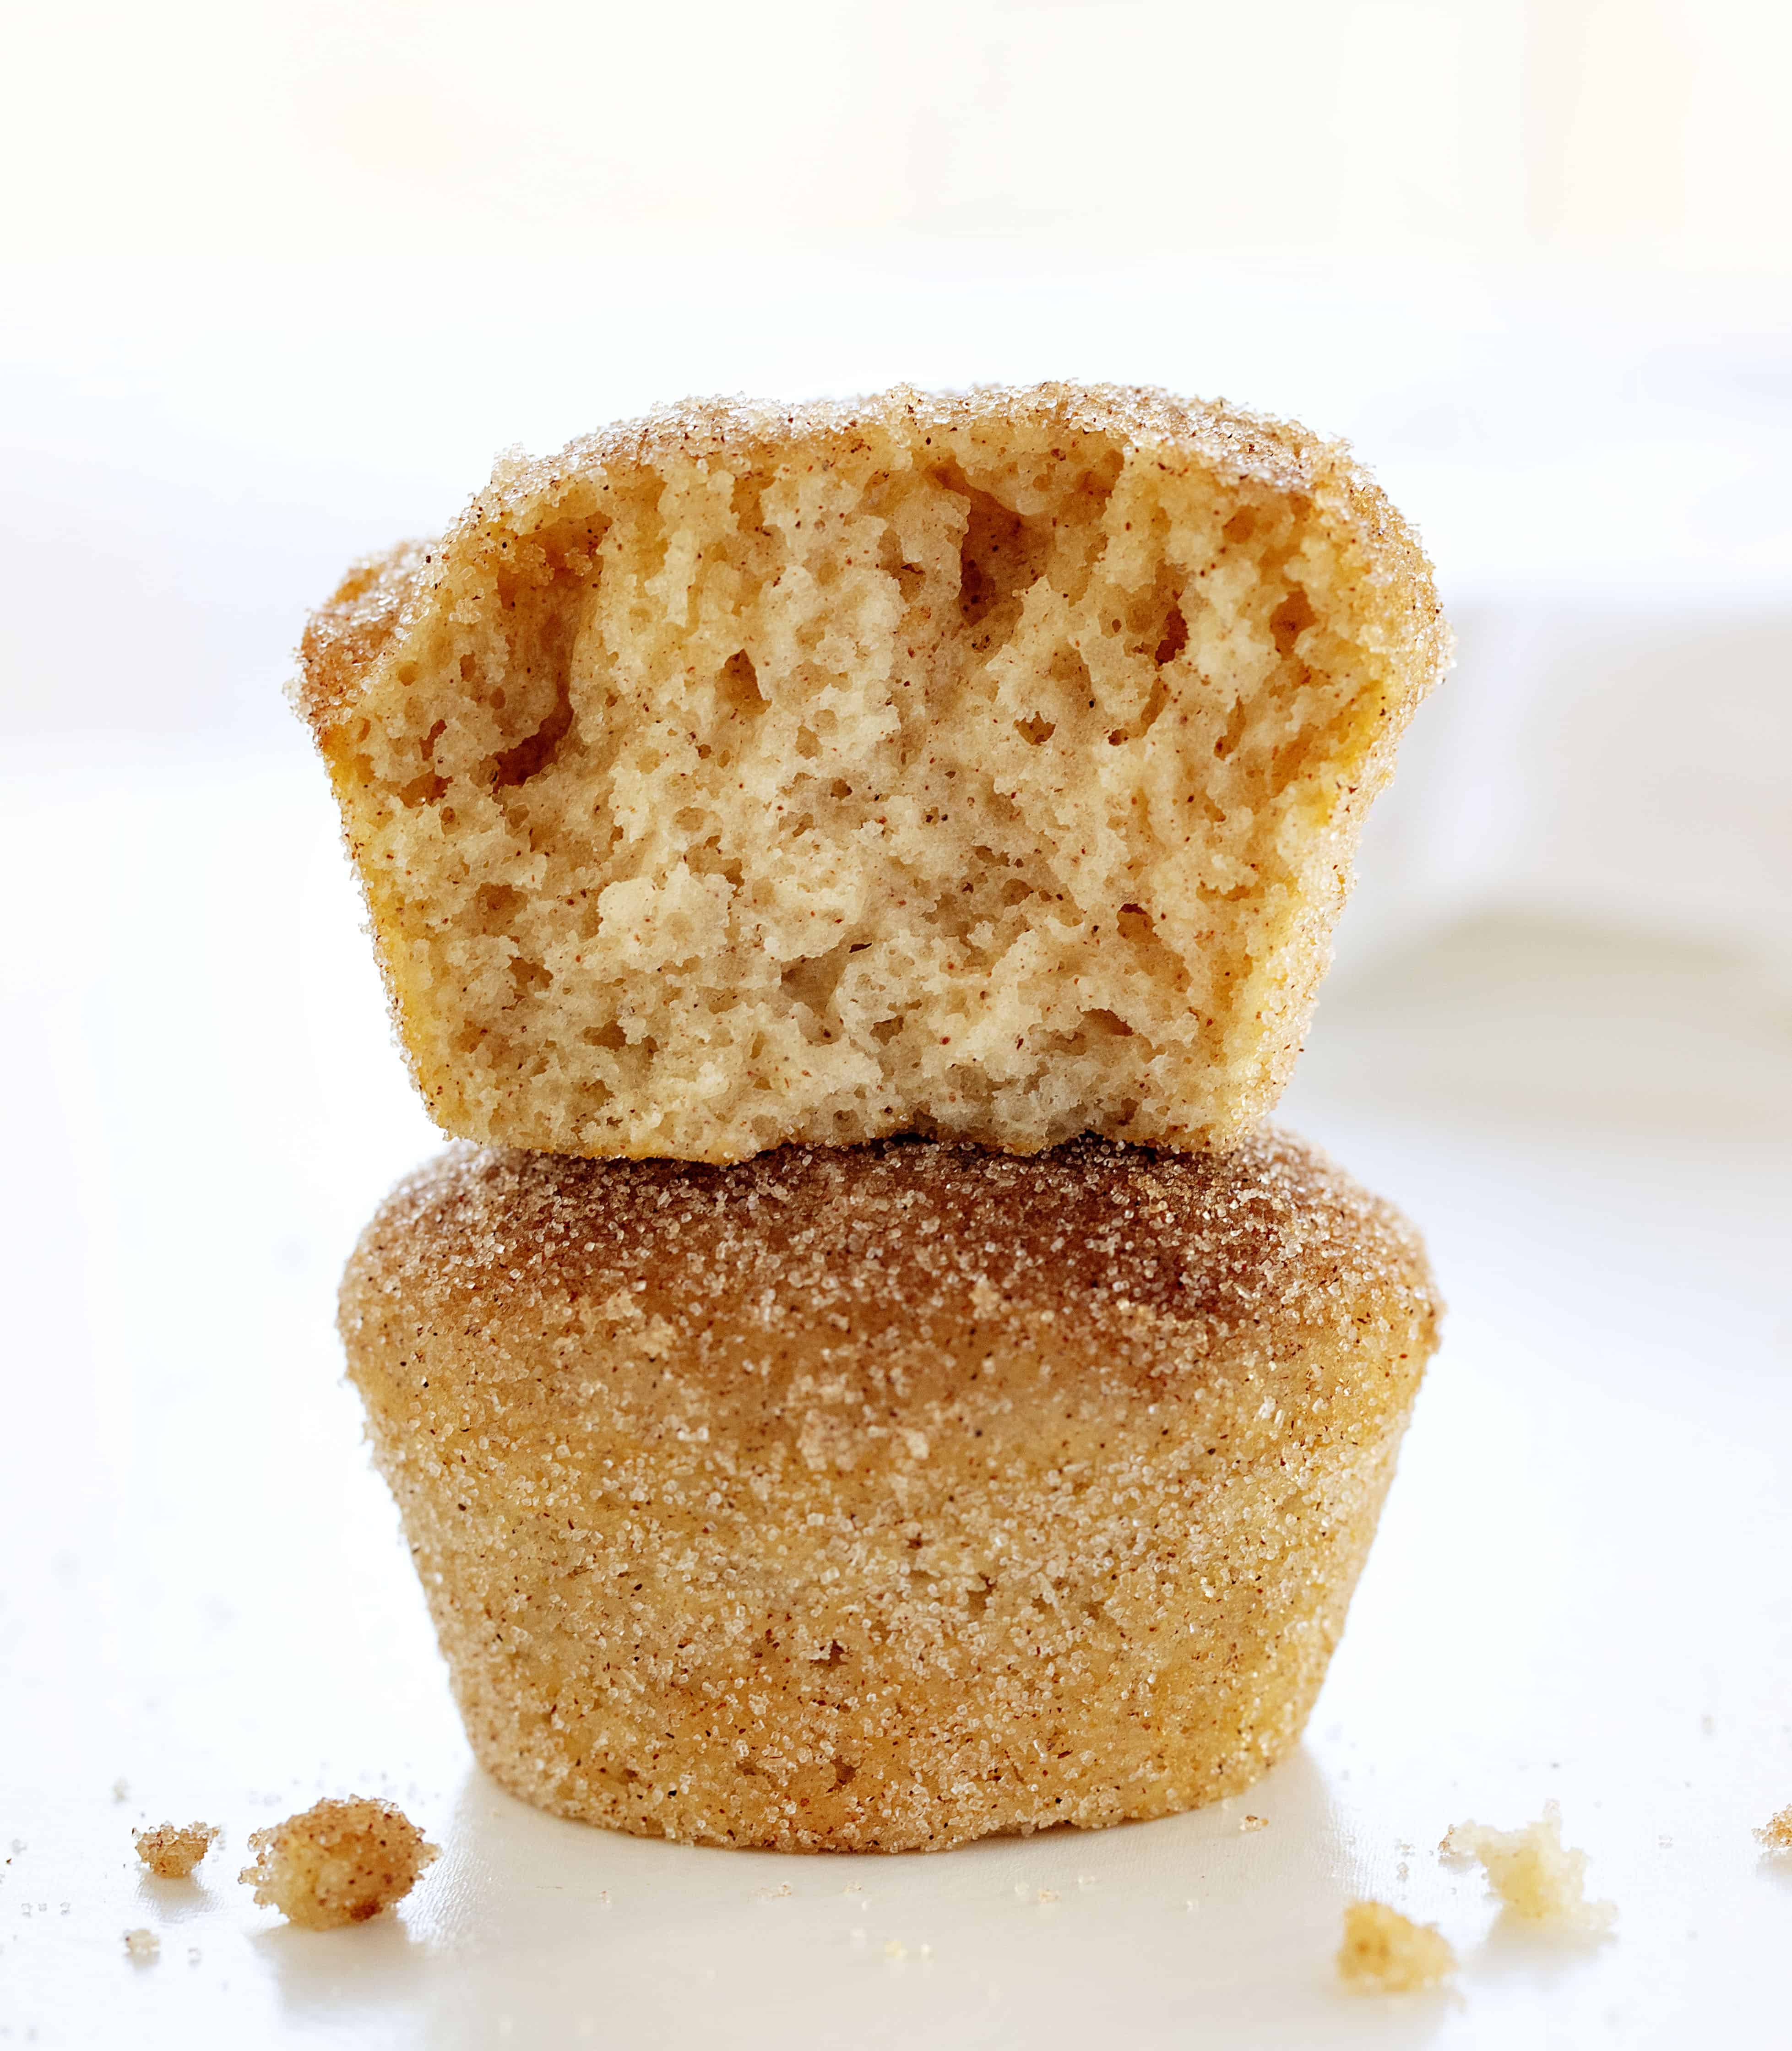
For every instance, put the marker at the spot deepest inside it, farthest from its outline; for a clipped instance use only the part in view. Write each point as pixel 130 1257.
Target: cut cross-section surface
pixel 985 766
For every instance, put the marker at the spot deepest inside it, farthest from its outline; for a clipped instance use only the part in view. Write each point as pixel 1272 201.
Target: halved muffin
pixel 985 766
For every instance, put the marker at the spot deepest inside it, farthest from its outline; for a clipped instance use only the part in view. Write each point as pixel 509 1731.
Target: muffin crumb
pixel 1386 1952
pixel 1775 1834
pixel 339 1862
pixel 143 1945
pixel 1537 1878
pixel 171 1852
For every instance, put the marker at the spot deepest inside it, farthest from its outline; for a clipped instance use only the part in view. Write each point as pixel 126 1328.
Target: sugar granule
pixel 338 1863
pixel 1386 1952
pixel 171 1851
pixel 1538 1878
pixel 143 1945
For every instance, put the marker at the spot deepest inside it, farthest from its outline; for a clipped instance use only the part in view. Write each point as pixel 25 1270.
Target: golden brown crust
pixel 883 1499
pixel 1270 1233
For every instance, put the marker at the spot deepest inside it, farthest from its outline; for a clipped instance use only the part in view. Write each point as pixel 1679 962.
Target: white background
pixel 278 284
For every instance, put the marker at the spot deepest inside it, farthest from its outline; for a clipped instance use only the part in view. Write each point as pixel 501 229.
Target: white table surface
pixel 1580 1590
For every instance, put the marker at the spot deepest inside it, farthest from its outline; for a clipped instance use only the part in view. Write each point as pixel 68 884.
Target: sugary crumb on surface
pixel 1537 1878
pixel 1386 1952
pixel 1776 1833
pixel 1249 1823
pixel 142 1944
pixel 171 1852
pixel 338 1863
pixel 121 1790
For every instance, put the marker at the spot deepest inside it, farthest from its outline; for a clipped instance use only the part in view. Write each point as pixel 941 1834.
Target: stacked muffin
pixel 858 876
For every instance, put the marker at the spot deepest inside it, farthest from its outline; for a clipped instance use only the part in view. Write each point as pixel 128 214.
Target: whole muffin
pixel 887 1497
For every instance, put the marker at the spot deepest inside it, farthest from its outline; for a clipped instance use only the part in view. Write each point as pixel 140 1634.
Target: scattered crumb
pixel 1776 1833
pixel 121 1789
pixel 1022 1890
pixel 1254 1823
pixel 1386 1952
pixel 1085 1880
pixel 339 1862
pixel 896 1949
pixel 171 1852
pixel 772 1893
pixel 1047 1894
pixel 603 1897
pixel 142 1945
pixel 926 1950
pixel 1403 1871
pixel 1536 1876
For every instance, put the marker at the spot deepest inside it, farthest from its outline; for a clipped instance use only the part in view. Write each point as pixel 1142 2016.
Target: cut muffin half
pixel 986 766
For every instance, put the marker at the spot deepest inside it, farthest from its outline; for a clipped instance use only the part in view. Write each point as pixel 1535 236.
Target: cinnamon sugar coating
pixel 890 1496
pixel 988 766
